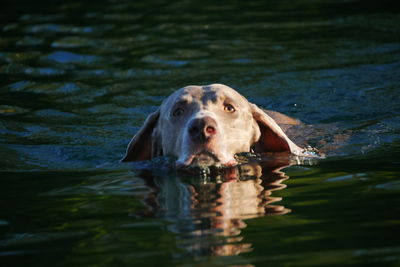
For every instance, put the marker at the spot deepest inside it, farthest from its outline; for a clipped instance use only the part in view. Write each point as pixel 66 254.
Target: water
pixel 78 78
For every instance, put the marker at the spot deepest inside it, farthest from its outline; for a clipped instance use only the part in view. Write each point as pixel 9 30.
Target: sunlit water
pixel 79 77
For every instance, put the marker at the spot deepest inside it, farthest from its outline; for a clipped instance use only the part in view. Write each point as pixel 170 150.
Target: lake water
pixel 77 79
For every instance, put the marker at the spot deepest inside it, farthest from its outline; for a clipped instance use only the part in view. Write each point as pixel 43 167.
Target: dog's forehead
pixel 204 95
pixel 208 93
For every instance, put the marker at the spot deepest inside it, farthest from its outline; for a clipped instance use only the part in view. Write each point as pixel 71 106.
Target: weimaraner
pixel 209 125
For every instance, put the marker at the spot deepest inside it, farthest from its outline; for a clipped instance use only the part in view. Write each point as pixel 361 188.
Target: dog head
pixel 207 125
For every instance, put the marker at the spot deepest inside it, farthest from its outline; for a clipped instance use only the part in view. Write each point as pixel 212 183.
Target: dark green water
pixel 77 79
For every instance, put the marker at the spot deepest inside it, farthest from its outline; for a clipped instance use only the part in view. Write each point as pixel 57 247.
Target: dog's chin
pixel 205 159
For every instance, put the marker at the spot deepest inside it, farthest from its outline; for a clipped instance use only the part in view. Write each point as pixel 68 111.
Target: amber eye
pixel 229 108
pixel 177 112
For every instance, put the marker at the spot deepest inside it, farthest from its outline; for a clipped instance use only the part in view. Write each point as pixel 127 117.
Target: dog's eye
pixel 177 112
pixel 229 108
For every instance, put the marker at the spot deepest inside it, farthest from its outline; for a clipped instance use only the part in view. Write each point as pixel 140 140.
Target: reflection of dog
pixel 209 211
pixel 208 125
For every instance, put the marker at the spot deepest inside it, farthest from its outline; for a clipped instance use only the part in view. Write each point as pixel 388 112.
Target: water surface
pixel 77 79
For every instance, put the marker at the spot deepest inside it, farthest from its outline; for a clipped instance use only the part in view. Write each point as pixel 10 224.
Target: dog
pixel 208 126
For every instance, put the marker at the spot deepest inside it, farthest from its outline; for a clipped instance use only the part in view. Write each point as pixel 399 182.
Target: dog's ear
pixel 272 138
pixel 141 147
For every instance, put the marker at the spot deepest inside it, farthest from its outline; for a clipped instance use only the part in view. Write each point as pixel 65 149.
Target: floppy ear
pixel 272 138
pixel 142 145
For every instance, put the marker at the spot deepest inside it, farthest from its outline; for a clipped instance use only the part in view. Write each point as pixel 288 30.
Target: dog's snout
pixel 201 129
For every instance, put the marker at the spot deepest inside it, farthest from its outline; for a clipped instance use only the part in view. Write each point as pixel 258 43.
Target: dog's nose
pixel 201 129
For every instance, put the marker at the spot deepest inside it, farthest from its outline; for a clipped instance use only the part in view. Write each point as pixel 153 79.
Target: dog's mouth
pixel 205 158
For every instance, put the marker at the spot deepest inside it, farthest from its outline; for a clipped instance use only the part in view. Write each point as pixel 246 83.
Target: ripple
pixel 11 110
pixel 112 45
pixel 394 185
pixel 30 41
pixel 12 57
pixel 159 60
pixel 44 71
pixel 50 28
pixel 31 18
pixel 69 57
pixel 54 114
pixel 71 42
pixel 348 177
